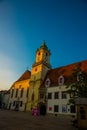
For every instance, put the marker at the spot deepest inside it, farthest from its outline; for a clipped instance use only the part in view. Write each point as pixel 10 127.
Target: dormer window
pixel 47 82
pixel 80 76
pixel 61 80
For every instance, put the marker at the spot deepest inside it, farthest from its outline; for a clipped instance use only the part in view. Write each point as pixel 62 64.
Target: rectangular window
pixel 12 93
pixel 33 96
pixel 22 90
pixel 56 95
pixel 14 103
pixel 49 95
pixel 64 108
pixel 27 92
pixel 56 108
pixel 72 109
pixel 16 93
pixel 21 103
pixel 72 94
pixel 64 95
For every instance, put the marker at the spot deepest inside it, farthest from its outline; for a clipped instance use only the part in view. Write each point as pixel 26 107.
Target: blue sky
pixel 25 24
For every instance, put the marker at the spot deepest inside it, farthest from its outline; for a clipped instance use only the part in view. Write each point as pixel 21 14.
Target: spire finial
pixel 44 42
pixel 44 45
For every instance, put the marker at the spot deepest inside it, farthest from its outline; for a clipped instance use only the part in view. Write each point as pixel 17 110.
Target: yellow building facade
pixel 19 92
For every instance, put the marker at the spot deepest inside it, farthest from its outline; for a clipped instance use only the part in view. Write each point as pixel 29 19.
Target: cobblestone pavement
pixel 14 120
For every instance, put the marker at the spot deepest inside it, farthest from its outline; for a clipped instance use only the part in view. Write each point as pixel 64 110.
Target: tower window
pixel 35 69
pixel 46 54
pixel 38 53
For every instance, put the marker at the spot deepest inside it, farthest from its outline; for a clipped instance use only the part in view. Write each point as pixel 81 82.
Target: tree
pixel 79 86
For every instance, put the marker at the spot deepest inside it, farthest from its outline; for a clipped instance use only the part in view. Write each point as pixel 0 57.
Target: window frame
pixel 56 108
pixel 56 95
pixel 49 95
pixel 64 95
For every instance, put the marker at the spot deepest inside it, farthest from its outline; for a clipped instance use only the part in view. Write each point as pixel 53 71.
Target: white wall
pixel 60 102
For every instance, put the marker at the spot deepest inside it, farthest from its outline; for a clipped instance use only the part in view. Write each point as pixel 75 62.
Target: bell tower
pixel 38 73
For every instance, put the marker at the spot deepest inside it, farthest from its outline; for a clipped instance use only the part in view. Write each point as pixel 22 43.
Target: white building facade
pixel 57 100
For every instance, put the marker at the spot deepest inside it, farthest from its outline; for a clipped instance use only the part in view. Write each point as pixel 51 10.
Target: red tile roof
pixel 25 75
pixel 65 71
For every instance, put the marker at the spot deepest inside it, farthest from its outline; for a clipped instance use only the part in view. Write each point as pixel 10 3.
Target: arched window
pixel 22 90
pixel 38 53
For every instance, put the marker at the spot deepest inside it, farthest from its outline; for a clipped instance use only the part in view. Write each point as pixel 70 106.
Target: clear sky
pixel 25 24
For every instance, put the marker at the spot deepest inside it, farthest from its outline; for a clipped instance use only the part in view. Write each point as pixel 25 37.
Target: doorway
pixel 42 109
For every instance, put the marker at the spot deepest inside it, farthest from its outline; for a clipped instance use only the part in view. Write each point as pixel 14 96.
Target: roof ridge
pixel 69 64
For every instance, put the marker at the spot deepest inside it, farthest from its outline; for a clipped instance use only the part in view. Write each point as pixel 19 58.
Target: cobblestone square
pixel 15 120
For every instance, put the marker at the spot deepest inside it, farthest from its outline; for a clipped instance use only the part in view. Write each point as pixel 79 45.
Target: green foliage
pixel 79 87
